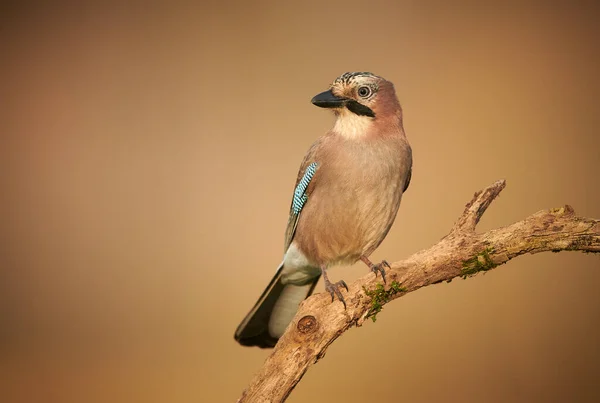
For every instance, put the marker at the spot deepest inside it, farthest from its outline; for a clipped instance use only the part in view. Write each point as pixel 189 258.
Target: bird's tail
pixel 273 312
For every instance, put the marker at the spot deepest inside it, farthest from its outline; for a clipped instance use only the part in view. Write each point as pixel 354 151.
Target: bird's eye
pixel 364 92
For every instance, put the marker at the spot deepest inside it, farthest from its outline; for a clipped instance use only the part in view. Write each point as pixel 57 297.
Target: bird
pixel 345 200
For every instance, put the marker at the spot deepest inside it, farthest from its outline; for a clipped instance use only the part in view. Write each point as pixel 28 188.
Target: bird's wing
pixel 407 180
pixel 302 191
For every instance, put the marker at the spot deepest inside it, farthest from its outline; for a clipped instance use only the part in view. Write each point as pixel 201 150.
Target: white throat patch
pixel 351 125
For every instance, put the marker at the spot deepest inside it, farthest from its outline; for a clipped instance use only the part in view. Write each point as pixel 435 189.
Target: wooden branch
pixel 463 252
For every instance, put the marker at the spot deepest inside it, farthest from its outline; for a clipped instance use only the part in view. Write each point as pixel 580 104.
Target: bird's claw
pixel 334 290
pixel 379 267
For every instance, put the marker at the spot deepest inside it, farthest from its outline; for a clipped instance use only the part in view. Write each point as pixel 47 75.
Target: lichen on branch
pixel 380 296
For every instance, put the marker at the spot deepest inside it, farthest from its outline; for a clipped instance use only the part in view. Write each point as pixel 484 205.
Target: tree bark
pixel 462 252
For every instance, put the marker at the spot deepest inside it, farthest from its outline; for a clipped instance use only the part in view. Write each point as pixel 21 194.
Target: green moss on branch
pixel 480 262
pixel 379 296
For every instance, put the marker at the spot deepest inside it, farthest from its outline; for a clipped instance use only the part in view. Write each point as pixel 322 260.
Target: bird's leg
pixel 379 267
pixel 334 289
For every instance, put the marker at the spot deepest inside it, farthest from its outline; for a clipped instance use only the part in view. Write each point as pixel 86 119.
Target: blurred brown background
pixel 148 154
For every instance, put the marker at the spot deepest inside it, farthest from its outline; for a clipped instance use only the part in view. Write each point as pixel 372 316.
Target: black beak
pixel 328 100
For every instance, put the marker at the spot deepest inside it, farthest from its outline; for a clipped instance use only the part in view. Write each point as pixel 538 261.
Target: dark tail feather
pixel 273 311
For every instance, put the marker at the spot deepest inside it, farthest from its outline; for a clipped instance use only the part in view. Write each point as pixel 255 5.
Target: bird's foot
pixel 334 290
pixel 379 267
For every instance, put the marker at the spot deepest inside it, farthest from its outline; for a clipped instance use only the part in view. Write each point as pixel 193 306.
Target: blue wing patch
pixel 299 196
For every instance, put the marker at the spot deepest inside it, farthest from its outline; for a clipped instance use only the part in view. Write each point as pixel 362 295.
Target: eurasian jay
pixel 346 198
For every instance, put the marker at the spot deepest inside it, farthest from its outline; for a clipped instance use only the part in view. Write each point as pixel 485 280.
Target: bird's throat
pixel 351 125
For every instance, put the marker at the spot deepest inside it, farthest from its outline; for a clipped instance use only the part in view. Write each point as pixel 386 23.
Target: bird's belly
pixel 375 221
pixel 348 220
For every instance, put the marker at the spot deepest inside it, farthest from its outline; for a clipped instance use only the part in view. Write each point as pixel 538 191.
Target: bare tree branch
pixel 463 252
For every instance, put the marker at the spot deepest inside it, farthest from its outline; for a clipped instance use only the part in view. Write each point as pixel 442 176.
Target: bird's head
pixel 360 100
